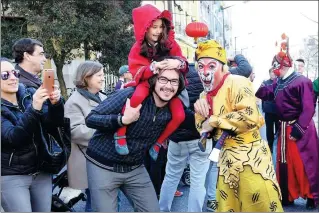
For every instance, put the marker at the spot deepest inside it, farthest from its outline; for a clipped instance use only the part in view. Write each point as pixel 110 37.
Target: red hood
pixel 143 18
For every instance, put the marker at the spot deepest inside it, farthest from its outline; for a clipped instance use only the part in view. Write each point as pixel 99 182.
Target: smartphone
pixel 48 80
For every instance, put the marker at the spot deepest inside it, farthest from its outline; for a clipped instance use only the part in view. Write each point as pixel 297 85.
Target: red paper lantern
pixel 196 29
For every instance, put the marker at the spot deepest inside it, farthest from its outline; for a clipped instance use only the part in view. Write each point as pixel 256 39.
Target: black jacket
pixel 269 106
pixel 243 67
pixel 187 130
pixel 20 132
pixel 28 79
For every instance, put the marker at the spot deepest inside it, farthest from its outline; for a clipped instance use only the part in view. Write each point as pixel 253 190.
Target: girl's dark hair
pixel 181 85
pixel 161 49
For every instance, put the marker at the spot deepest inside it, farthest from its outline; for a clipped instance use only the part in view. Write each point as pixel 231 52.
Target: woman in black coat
pixel 23 187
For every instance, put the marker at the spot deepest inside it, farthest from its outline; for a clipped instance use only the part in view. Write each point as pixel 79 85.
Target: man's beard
pixel 159 97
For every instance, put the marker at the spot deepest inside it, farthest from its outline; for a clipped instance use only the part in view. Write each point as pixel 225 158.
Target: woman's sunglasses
pixel 5 74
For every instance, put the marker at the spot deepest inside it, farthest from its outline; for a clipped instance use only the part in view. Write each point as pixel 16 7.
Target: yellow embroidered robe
pixel 244 153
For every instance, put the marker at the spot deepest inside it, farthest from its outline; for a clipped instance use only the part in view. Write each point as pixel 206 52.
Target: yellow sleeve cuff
pixel 213 120
pixel 198 121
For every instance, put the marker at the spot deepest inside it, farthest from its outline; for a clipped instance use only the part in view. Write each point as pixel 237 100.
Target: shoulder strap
pixel 81 150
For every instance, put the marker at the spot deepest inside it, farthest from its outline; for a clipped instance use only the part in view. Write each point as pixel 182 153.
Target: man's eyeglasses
pixel 163 80
pixel 5 74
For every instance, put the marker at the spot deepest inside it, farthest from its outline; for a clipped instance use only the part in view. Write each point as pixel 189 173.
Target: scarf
pixel 96 98
pixel 214 92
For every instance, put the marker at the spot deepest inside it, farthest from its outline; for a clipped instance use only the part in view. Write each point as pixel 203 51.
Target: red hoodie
pixel 143 17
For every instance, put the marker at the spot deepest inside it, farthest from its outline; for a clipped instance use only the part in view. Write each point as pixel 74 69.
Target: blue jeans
pixel 88 207
pixel 262 130
pixel 26 193
pixel 177 156
pixel 211 181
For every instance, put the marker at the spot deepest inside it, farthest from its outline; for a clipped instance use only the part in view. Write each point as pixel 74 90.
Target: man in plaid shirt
pixel 107 170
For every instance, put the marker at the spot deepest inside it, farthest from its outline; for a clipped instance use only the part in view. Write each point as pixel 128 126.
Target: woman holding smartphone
pixel 23 187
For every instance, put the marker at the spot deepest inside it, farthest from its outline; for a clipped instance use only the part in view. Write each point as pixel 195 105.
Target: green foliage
pixel 11 30
pixel 63 26
pixel 116 46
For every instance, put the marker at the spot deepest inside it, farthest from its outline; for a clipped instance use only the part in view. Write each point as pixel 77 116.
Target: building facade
pixel 183 12
pixel 216 16
pixel 207 17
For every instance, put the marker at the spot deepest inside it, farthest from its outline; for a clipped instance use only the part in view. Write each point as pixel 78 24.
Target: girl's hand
pixel 171 64
pixel 159 66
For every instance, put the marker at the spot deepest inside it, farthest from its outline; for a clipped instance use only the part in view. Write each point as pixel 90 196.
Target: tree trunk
pixel 59 66
pixel 86 51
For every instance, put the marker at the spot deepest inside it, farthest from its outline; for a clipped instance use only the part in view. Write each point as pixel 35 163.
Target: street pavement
pixel 180 203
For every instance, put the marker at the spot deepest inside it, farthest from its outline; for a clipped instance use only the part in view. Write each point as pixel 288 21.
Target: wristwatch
pixel 119 120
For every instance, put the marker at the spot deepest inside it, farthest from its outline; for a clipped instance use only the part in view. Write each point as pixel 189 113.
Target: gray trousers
pixel 26 193
pixel 104 186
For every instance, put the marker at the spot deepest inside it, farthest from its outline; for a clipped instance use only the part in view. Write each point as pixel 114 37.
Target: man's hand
pixel 206 127
pixel 202 107
pixel 292 138
pixel 130 114
pixel 55 95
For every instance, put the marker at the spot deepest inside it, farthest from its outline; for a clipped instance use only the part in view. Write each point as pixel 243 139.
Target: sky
pixel 266 21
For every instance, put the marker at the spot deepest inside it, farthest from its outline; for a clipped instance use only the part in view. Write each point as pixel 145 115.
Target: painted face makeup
pixel 206 71
pixel 276 68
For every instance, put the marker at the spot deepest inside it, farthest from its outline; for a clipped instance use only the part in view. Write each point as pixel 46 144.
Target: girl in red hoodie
pixel 154 39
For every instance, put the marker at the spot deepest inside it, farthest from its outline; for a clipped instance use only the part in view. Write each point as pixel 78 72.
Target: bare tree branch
pixel 313 37
pixel 309 18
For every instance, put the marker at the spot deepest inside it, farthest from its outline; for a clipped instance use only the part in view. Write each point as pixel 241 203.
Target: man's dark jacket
pixel 269 106
pixel 140 135
pixel 29 80
pixel 187 130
